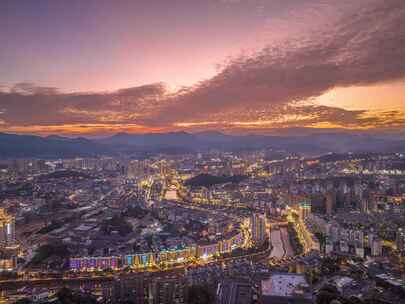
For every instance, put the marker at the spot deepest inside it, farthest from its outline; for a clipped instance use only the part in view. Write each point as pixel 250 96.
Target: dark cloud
pixel 26 104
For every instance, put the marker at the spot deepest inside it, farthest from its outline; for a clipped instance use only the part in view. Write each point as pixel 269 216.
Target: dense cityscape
pixel 254 225
pixel 202 152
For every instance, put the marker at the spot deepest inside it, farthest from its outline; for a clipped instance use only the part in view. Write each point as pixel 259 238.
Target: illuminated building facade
pixel 180 255
pixel 7 228
pixel 400 240
pixel 8 262
pixel 304 209
pixel 164 257
pixel 258 227
pixel 141 260
pixel 94 263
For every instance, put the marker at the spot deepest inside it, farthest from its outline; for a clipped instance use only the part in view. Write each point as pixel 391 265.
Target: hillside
pixel 143 145
pixel 207 180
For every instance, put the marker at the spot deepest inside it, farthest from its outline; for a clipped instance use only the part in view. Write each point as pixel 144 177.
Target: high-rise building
pixel 150 290
pixel 168 291
pixel 330 203
pixel 358 190
pixel 134 290
pixel 359 249
pixel 7 228
pixel 20 166
pixel 364 205
pixel 376 247
pixel 400 240
pixel 328 246
pixel 164 168
pixel 372 205
pixel 258 226
pixel 358 236
pixel 304 209
pixel 370 238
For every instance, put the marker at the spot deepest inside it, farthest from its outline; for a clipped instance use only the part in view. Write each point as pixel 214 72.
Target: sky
pixel 97 67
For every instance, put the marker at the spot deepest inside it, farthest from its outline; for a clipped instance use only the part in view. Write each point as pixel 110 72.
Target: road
pixel 281 247
pixel 288 250
pixel 61 279
pixel 277 251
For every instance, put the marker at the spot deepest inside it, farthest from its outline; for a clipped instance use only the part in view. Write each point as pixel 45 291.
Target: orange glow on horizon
pixel 369 120
pixel 82 129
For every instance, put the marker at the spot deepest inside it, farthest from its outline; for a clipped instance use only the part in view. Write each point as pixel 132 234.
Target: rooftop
pixel 284 284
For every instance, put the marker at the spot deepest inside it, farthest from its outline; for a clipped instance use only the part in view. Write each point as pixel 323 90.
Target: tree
pixel 52 249
pixel 116 223
pixel 200 295
pixel 67 296
pixel 329 266
pixel 327 294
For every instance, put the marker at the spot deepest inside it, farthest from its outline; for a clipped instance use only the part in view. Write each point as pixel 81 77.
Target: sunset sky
pixel 99 67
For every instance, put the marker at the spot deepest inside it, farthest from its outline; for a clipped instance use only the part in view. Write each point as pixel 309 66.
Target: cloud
pixel 80 129
pixel 272 88
pixel 25 104
pixel 365 47
pixel 305 116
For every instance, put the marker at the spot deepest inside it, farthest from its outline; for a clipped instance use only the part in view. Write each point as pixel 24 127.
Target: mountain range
pixel 15 146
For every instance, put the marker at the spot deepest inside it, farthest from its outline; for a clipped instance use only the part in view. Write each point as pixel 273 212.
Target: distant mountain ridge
pixel 207 180
pixel 54 146
pixel 315 143
pixel 20 146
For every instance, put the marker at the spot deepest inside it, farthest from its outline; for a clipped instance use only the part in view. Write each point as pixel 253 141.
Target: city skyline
pixel 92 68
